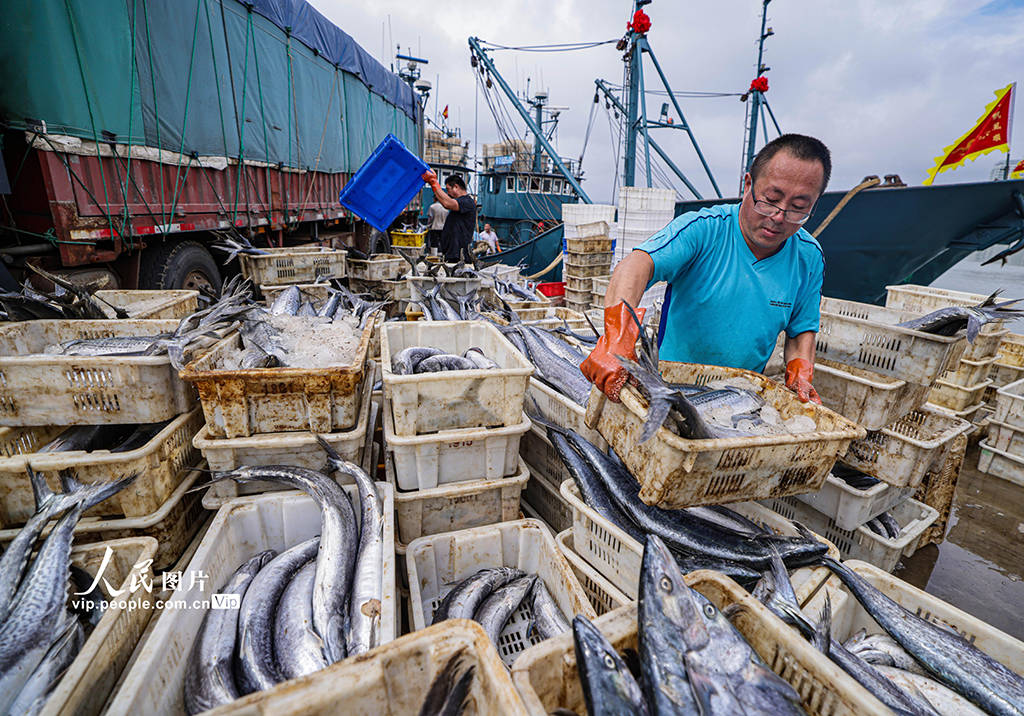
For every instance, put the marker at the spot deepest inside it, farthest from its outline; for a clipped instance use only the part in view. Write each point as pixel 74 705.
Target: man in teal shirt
pixel 737 276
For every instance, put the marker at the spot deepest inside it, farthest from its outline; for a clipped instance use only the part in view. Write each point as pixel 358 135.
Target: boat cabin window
pixel 510 184
pixel 556 186
pixel 535 185
pixel 547 186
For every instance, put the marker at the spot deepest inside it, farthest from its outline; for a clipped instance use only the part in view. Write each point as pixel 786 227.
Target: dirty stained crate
pixel 459 505
pixel 578 298
pixel 548 679
pixel 1010 405
pixel 543 497
pixel 45 389
pixel 436 564
pixel 303 264
pixel 379 267
pixel 172 526
pixel 970 372
pixel 866 336
pixel 165 304
pixel 85 685
pixel 868 399
pixel 159 465
pixel 618 556
pixel 675 472
pixel 862 543
pixel 901 453
pixel 242 528
pixel 603 595
pixel 590 244
pixel 587 271
pixel 1001 464
pixel 428 402
pixel 579 284
pixel 849 507
pixel 243 402
pixel 957 397
pixel 553 317
pixel 938 488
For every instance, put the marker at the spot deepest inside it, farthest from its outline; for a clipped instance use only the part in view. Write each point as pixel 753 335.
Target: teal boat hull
pixel 534 256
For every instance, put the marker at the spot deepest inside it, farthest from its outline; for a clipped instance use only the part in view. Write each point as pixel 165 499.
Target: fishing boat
pixel 879 233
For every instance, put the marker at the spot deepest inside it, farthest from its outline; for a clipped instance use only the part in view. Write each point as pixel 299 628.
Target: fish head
pixel 605 676
pixel 665 599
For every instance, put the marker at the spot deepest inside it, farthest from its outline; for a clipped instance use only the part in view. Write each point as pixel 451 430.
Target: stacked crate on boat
pixel 961 389
pixel 452 438
pixel 44 394
pixel 1002 451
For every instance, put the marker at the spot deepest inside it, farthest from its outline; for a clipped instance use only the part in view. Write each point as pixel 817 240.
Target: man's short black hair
pixel 800 146
pixel 456 181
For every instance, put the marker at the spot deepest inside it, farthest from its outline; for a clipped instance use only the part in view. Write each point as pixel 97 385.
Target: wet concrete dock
pixel 980 565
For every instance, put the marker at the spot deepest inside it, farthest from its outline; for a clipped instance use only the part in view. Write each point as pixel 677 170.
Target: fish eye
pixel 665 583
pixel 609 661
pixel 709 610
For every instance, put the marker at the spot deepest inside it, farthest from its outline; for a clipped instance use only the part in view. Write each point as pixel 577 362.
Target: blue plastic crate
pixel 386 182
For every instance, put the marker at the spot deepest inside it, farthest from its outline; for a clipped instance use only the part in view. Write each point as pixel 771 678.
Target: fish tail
pixel 41 492
pixel 822 639
pixel 660 396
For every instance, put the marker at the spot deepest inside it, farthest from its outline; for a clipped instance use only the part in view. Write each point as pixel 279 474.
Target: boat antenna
pixel 758 101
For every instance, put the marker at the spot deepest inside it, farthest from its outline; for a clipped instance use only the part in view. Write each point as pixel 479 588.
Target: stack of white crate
pixel 588 250
pixel 642 213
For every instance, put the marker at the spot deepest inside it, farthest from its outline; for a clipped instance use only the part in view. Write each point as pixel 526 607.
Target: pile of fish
pixel 713 537
pixel 884 525
pixel 447 302
pixel 922 667
pixel 194 332
pixel 310 606
pixel 948 321
pixel 853 477
pixel 39 634
pixel 555 361
pixel 691 658
pixel 718 409
pixel 427 359
pixel 67 301
pixel 491 596
pixel 294 333
pixel 449 691
pixel 516 292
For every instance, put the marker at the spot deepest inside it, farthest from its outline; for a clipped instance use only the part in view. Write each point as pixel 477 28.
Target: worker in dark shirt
pixel 460 223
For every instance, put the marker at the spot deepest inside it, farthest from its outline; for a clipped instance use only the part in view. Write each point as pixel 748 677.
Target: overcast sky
pixel 885 84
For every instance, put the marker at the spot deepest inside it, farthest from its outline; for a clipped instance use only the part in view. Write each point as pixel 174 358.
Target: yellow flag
pixel 989 134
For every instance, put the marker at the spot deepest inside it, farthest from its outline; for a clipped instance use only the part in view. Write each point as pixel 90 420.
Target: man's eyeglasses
pixel 792 216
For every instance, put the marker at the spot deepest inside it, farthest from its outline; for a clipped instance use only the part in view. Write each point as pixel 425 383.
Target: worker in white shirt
pixel 436 216
pixel 490 238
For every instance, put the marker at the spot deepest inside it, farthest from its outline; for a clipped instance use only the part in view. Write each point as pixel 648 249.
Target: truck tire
pixel 183 264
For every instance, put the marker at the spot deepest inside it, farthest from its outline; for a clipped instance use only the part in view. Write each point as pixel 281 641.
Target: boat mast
pixel 756 97
pixel 538 133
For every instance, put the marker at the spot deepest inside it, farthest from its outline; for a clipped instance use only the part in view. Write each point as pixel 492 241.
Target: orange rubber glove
pixel 620 335
pixel 431 179
pixel 799 373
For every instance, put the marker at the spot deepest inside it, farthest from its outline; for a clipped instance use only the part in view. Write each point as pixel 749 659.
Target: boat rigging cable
pixel 559 47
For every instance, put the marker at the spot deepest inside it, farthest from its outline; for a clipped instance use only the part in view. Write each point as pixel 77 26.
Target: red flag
pixel 445 112
pixel 990 133
pixel 1018 170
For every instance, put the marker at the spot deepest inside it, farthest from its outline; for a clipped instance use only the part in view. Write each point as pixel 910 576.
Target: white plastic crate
pixel 551 318
pixel 393 679
pixel 676 472
pixel 292 265
pixel 43 389
pixel 913 518
pixel 1002 374
pixel 562 411
pixel 457 506
pixel 420 285
pixel 849 507
pixel 868 399
pixel 640 198
pixel 866 336
pixel 647 221
pixel 1006 438
pixel 548 679
pixel 244 527
pixel 450 456
pixel 986 344
pixel 618 556
pixel 242 402
pixel 436 564
pixel 581 214
pixel 956 397
pixel 925 299
pixel 543 497
pixel 1009 365
pixel 969 372
pixel 379 267
pixel 577 298
pixel 849 617
pixel 901 453
pixel 1000 463
pixel 300 449
pixel 428 402
pixel 600 286
pixel 603 595
pixel 161 464
pixel 582 232
pixel 1010 404
pixel 501 272
pixel 593 244
pixel 164 304
pixel 578 284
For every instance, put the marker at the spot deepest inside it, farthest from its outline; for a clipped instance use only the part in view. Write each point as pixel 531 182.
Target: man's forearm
pixel 800 346
pixel 630 279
